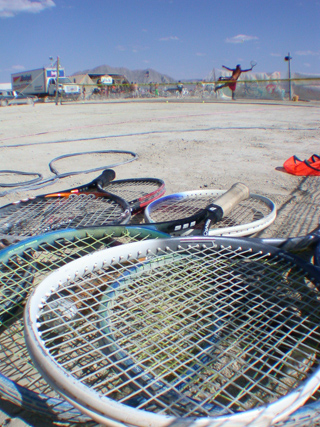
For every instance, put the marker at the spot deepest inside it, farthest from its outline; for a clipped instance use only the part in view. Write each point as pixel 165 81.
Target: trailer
pixel 42 82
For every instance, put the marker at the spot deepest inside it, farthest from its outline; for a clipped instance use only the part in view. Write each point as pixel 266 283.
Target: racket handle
pixel 232 197
pixel 224 204
pixel 107 176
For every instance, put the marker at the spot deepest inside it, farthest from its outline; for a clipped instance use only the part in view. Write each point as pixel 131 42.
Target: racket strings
pixel 15 286
pixel 18 275
pixel 134 190
pixel 189 332
pixel 21 217
pixel 173 209
pixel 50 213
pixel 15 363
pixel 247 211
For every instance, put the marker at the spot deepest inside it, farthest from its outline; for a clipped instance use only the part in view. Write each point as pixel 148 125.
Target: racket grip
pixel 232 197
pixel 107 176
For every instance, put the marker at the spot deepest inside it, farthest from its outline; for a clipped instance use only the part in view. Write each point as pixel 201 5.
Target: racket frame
pixel 102 407
pixel 192 221
pixel 295 243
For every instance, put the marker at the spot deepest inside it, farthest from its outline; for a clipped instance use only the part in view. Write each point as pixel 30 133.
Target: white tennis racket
pixel 183 213
pixel 183 331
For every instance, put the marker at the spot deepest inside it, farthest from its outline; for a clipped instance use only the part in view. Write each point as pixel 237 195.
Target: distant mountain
pixel 136 76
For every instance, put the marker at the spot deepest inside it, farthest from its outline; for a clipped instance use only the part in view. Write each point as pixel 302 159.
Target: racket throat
pixel 214 214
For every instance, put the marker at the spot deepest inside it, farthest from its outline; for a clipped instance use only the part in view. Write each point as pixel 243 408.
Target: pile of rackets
pixel 176 319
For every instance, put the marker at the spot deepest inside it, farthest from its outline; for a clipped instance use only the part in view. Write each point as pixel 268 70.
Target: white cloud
pixel 200 54
pixel 138 48
pixel 10 8
pixel 276 54
pixel 307 53
pixel 240 38
pixel 306 64
pixel 169 38
pixel 121 48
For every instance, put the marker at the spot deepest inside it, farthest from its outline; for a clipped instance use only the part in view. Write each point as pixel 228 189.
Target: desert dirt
pixel 190 145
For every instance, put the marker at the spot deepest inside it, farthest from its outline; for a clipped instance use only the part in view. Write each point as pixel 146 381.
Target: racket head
pixel 253 63
pixel 22 267
pixel 243 306
pixel 138 192
pixel 248 217
pixel 66 209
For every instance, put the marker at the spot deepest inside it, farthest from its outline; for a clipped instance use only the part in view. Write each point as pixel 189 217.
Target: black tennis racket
pixel 79 207
pixel 299 244
pixel 22 267
pixel 181 331
pixel 212 212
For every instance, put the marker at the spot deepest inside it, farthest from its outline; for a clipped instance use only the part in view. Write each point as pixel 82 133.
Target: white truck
pixel 42 82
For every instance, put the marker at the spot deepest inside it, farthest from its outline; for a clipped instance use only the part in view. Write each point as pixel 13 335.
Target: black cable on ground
pixel 54 170
pixel 40 183
pixel 17 184
pixel 154 132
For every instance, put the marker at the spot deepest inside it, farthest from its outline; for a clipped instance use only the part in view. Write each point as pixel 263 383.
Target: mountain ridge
pixel 135 76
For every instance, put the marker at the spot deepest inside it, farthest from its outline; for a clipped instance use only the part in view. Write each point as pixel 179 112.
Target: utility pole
pixel 288 58
pixel 57 82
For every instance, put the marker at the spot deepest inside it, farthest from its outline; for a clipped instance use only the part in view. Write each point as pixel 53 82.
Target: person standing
pixel 231 82
pixel 135 90
pixel 180 87
pixel 156 90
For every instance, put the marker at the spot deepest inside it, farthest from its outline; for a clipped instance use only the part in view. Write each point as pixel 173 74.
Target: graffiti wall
pixel 270 86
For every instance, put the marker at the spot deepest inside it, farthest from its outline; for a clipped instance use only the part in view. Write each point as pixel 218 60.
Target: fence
pixel 263 87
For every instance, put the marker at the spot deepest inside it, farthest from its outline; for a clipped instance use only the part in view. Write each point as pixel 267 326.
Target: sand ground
pixel 190 145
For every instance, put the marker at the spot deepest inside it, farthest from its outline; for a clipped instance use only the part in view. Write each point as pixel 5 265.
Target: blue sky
pixel 184 39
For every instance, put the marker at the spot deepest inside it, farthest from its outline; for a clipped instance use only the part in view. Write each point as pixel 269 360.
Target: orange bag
pixel 299 167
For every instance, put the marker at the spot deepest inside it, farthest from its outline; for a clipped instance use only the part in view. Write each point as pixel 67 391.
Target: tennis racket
pixel 309 243
pixel 253 63
pixel 138 192
pixel 22 267
pixel 79 207
pixel 190 212
pixel 193 331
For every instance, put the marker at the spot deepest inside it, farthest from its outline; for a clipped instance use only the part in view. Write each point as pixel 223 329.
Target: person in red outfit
pixel 232 81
